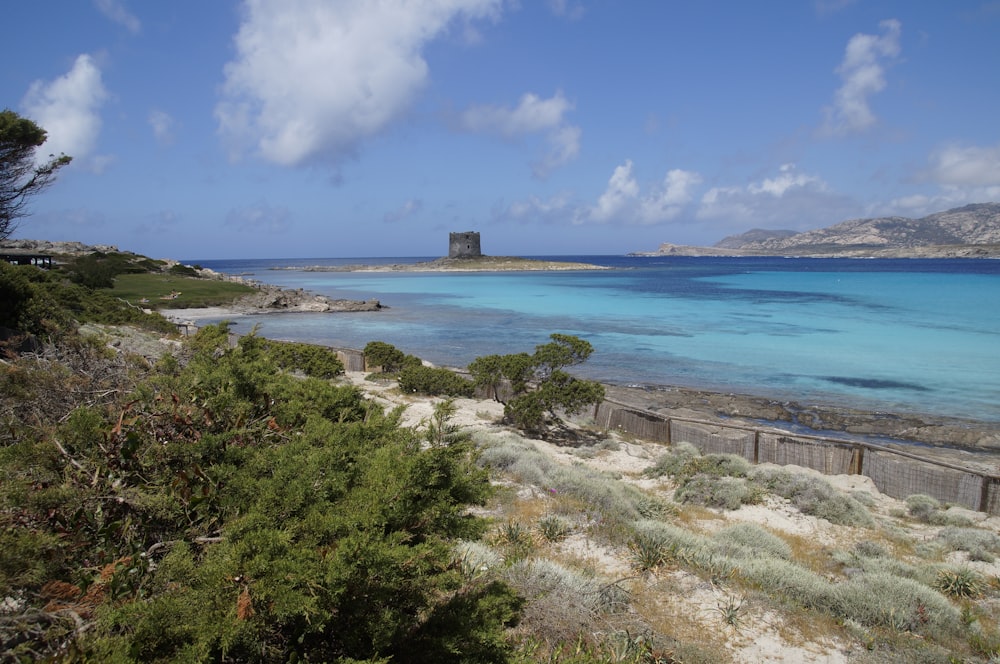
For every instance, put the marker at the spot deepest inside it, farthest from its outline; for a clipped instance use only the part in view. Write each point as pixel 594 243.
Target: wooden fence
pixel 896 473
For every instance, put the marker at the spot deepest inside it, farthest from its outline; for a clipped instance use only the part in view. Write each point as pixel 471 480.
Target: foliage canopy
pixel 224 509
pixel 534 388
pixel 20 176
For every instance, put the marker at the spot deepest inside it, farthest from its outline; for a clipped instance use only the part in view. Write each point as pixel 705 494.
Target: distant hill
pixel 754 236
pixel 970 231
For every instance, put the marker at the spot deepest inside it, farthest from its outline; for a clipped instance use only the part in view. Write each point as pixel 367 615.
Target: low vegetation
pixel 242 503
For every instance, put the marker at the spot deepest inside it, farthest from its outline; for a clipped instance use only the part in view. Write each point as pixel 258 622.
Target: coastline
pixel 812 418
pixel 480 264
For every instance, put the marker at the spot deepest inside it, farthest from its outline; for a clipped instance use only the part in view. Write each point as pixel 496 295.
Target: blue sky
pixel 313 128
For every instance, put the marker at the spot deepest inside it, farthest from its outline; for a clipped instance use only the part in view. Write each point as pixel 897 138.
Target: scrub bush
pixel 539 389
pixel 728 493
pixel 312 360
pixel 747 540
pixel 981 545
pixel 228 511
pixel 434 381
pixel 814 496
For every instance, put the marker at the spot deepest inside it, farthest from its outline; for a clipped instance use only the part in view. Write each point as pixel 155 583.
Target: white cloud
pixel 624 202
pixel 313 79
pixel 621 193
pixel 163 126
pixel 789 200
pixel 116 11
pixel 68 110
pixel 787 179
pixel 532 115
pixel 564 146
pixel 669 200
pixel 962 174
pixel 966 166
pixel 863 74
pixel 260 217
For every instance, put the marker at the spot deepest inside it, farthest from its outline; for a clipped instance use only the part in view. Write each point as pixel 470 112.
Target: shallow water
pixel 889 335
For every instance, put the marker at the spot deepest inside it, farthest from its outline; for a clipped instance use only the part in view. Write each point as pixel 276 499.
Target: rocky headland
pixel 972 231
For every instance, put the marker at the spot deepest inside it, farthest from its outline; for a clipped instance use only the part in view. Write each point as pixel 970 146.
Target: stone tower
pixel 464 245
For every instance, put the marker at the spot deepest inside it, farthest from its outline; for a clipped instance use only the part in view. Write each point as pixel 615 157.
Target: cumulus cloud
pixel 68 108
pixel 163 126
pixel 790 199
pixel 116 11
pixel 621 193
pixel 623 200
pixel 313 79
pixel 966 166
pixel 863 74
pixel 963 174
pixel 407 209
pixel 531 115
pixel 260 217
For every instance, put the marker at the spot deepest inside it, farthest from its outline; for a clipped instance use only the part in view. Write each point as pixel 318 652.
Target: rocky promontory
pixel 273 299
pixel 972 231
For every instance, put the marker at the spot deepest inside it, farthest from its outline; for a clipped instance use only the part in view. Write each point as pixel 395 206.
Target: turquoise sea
pixel 902 335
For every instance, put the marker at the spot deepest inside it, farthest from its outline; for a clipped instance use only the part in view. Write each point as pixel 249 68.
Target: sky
pixel 354 128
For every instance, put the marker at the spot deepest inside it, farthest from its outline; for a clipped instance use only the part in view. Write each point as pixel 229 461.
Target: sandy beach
pixel 686 605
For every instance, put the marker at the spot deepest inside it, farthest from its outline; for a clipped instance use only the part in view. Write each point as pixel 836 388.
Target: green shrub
pixel 554 528
pixel 389 358
pixel 960 582
pixel 434 381
pixel 312 360
pixel 539 390
pixel 183 270
pixel 228 511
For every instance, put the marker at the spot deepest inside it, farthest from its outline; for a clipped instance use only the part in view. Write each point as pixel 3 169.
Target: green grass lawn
pixel 193 292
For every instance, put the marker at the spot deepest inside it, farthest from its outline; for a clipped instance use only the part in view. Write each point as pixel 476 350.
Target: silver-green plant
pixel 814 496
pixel 981 545
pixel 748 540
pixel 882 599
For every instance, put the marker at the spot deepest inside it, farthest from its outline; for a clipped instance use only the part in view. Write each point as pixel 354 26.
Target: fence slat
pixel 896 473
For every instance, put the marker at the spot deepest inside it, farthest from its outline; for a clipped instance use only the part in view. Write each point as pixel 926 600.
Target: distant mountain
pixel 970 231
pixel 754 236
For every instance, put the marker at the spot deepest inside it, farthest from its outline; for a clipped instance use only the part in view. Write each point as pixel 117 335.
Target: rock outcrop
pixel 972 231
pixel 274 299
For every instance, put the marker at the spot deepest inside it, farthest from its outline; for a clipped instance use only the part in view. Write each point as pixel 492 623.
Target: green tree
pixel 537 386
pixel 21 177
pixel 388 357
